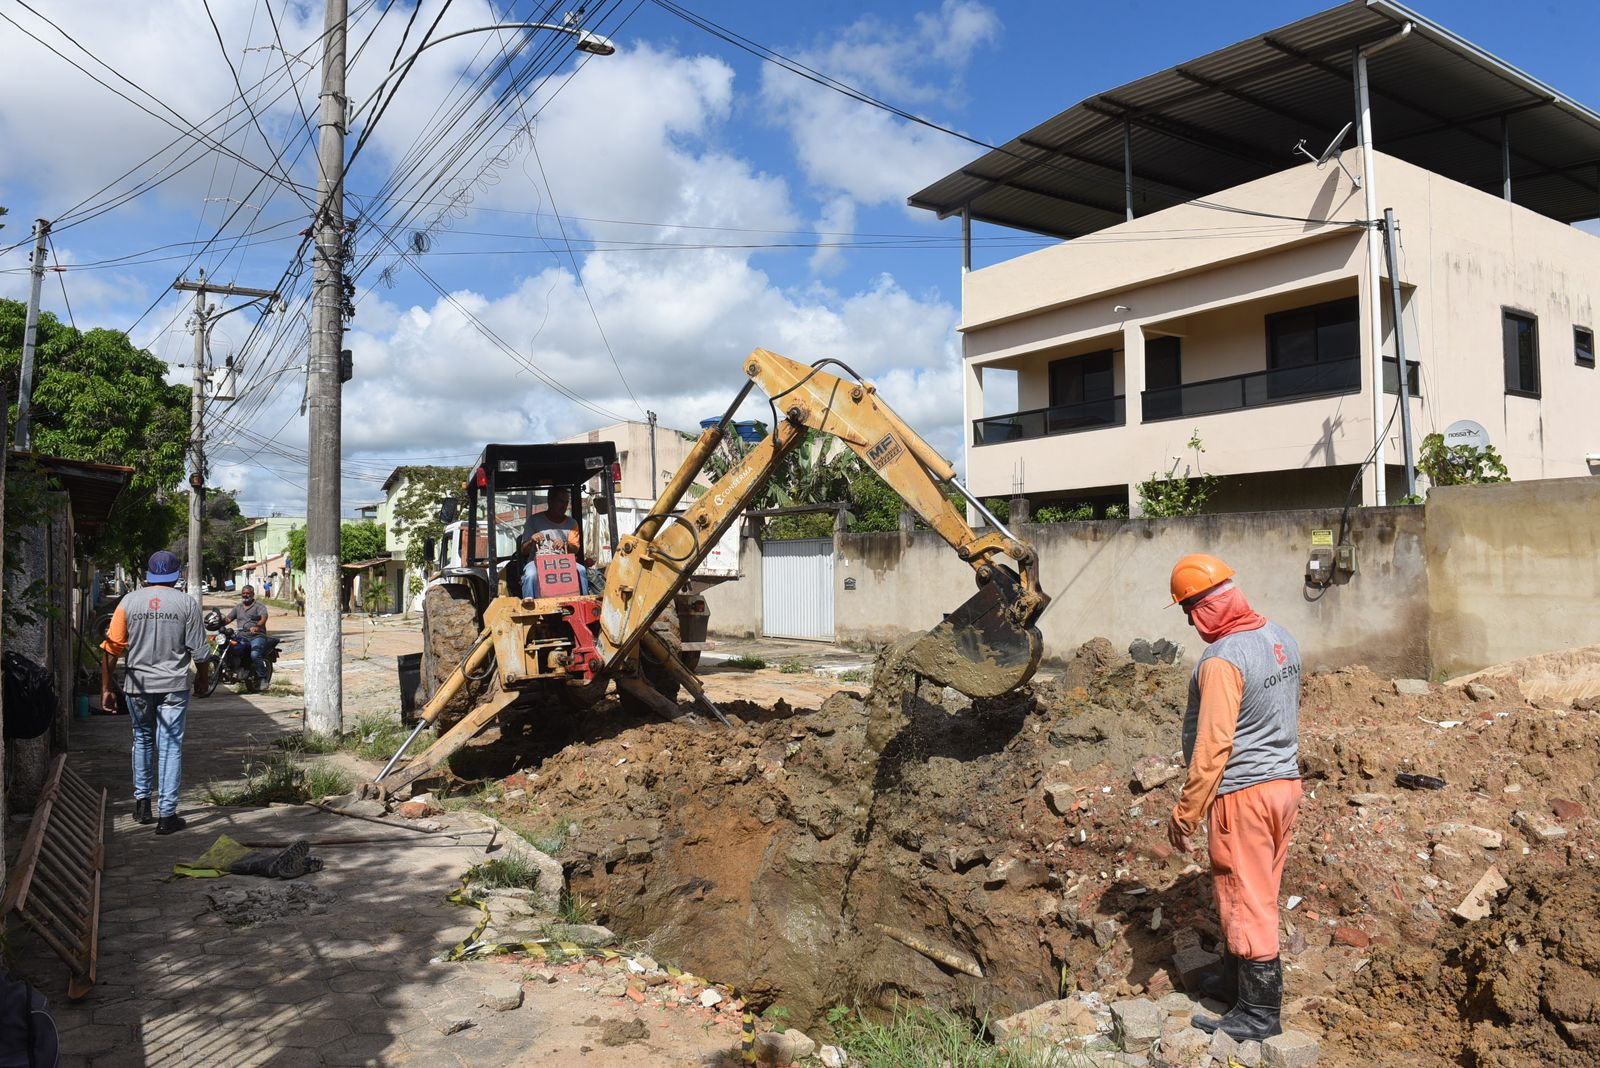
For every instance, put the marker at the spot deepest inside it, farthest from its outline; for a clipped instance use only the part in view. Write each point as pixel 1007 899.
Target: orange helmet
pixel 1197 573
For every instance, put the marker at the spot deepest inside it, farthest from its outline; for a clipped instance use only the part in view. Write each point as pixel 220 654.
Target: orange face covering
pixel 1225 613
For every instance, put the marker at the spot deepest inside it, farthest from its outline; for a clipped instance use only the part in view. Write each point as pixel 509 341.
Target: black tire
pixel 213 680
pixel 654 671
pixel 450 626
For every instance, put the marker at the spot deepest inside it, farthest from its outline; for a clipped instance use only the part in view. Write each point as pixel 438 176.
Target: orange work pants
pixel 1249 841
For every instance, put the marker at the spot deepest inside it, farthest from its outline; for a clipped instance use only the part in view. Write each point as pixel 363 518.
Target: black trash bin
pixel 410 668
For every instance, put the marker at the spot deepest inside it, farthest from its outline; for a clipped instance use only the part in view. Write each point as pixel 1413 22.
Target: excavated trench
pixel 880 847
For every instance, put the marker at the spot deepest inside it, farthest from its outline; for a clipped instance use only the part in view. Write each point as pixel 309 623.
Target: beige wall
pixel 1214 276
pixel 1514 570
pixel 1479 576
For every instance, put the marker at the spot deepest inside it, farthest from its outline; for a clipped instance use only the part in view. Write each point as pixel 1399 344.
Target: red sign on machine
pixel 558 575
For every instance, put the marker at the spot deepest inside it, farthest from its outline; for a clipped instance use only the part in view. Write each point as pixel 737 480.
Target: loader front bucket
pixel 980 649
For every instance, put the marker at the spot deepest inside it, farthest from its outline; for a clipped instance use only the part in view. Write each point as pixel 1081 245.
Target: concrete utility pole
pixel 197 411
pixel 30 332
pixel 324 680
pixel 655 479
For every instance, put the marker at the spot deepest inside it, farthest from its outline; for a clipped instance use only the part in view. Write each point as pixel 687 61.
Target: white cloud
pixel 863 151
pixel 836 224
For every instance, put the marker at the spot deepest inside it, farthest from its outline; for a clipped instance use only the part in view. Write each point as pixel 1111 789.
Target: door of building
pixel 797 589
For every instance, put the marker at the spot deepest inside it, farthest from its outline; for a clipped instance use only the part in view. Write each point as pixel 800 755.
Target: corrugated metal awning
pixel 1235 115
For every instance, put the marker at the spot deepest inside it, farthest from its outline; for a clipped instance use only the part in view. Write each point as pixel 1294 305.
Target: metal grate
pixel 56 885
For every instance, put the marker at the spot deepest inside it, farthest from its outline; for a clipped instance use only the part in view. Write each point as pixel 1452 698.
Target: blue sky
pixel 695 183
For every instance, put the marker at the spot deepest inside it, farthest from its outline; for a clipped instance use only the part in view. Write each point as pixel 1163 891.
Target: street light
pixel 592 43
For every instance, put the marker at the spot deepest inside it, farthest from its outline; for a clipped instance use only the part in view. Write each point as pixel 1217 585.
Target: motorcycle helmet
pixel 213 619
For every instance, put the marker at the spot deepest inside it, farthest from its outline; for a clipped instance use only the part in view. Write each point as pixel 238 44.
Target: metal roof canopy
pixel 1233 116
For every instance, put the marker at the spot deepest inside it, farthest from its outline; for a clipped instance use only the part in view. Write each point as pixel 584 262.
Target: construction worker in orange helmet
pixel 1241 741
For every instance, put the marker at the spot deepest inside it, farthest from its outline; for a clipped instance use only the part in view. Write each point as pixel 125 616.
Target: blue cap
pixel 164 567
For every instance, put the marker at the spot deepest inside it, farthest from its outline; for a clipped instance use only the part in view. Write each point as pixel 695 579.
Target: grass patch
pixel 795 666
pixel 279 779
pixel 305 742
pixel 376 737
pixel 855 675
pixel 282 689
pixel 917 1037
pixel 746 662
pixel 553 839
pixel 325 781
pixel 506 873
pixel 477 797
pixel 574 909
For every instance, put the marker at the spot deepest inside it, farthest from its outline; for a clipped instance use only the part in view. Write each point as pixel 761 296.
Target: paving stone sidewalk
pixel 347 979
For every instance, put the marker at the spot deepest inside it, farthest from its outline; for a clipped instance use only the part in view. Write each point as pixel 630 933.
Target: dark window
pixel 1583 345
pixel 1321 333
pixel 1080 379
pixel 1163 362
pixel 1521 336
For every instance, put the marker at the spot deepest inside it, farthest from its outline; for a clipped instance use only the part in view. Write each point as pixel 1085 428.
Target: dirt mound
pixel 787 855
pixel 991 854
pixel 1568 675
pixel 1522 987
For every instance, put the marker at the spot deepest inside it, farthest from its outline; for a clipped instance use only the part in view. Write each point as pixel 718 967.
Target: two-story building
pixel 648 453
pixel 265 563
pixel 1223 276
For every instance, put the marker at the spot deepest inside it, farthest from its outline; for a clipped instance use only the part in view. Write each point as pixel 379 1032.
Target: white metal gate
pixel 797 589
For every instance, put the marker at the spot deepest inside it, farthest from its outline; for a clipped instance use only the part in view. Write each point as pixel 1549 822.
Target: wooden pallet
pixel 55 888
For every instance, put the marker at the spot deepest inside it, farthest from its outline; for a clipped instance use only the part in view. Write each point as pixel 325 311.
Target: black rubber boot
pixel 1254 1017
pixel 141 810
pixel 1220 982
pixel 169 824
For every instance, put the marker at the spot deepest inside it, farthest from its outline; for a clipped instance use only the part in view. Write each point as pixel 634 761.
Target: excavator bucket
pixel 981 649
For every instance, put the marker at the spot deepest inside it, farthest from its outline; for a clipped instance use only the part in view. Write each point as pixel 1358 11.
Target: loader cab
pixel 507 486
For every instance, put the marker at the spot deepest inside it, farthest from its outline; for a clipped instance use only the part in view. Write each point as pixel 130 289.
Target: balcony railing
pixel 1252 390
pixel 1043 422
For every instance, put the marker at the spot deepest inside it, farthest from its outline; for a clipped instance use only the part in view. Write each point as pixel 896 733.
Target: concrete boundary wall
pixel 1479 575
pixel 1514 570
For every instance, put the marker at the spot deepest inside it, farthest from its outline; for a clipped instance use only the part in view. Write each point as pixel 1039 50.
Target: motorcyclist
pixel 250 619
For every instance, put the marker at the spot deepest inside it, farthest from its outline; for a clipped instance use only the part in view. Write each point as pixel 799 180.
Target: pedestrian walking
pixel 159 629
pixel 1241 741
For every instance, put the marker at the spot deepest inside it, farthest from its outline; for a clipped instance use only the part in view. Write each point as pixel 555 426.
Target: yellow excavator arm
pixel 657 560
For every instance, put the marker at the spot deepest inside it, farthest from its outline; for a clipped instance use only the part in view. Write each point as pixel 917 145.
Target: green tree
pixel 416 509
pixel 1460 465
pixel 1172 494
pixel 223 546
pixel 357 542
pixel 98 398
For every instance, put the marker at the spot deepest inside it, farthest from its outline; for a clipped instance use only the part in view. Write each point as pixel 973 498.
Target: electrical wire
pixel 793 66
pixel 578 273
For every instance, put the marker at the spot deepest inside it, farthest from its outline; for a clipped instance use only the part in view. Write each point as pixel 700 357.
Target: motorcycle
pixel 230 658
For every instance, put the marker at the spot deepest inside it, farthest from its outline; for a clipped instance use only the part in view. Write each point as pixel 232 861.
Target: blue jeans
pixel 258 647
pixel 530 579
pixel 158 726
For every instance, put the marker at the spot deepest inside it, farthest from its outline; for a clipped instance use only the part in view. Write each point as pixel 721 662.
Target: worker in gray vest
pixel 159 629
pixel 1241 741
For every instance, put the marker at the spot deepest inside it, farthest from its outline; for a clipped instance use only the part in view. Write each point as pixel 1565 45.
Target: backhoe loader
pixel 626 631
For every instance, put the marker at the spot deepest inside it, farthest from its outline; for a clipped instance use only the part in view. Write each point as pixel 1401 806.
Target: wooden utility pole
pixel 30 332
pixel 203 318
pixel 324 680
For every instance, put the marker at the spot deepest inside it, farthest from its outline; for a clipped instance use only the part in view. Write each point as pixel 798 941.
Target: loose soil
pixel 988 855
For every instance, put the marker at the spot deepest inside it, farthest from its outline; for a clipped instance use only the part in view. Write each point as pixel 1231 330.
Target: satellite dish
pixel 1333 146
pixel 1466 432
pixel 1330 153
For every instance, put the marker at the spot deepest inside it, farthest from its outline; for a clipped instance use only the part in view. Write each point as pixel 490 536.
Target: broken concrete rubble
pixel 1292 1049
pixel 1137 1023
